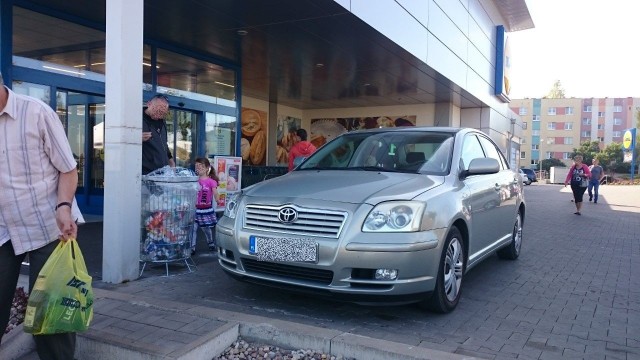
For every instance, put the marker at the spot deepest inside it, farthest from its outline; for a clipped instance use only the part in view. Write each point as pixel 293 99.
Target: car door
pixel 482 198
pixel 509 187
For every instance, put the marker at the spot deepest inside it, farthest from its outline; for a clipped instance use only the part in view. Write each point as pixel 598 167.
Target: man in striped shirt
pixel 38 180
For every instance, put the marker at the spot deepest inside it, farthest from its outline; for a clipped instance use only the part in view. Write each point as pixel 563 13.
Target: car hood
pixel 347 186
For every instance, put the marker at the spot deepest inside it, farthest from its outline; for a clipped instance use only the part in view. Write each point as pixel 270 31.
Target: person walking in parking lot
pixel 38 181
pixel 597 173
pixel 578 176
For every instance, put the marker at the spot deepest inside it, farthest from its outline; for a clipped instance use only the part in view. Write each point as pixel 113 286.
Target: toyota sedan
pixel 395 215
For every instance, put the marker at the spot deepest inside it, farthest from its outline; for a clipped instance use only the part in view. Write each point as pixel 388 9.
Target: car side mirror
pixel 481 166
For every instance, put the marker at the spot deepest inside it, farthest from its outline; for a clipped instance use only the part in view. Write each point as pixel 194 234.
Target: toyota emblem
pixel 287 215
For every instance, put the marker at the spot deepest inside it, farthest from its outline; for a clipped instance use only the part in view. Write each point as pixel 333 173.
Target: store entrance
pixel 182 136
pixel 84 122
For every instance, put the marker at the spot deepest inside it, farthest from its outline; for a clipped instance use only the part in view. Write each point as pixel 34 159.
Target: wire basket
pixel 168 211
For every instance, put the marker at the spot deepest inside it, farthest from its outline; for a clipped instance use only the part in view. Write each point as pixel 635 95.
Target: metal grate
pixel 310 222
pixel 323 277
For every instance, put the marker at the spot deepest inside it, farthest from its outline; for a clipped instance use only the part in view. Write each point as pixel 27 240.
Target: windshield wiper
pixel 372 168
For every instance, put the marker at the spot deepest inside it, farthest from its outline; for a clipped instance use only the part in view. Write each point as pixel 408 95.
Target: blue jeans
pixel 593 185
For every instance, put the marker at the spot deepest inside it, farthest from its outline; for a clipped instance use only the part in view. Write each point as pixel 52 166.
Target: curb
pixel 16 344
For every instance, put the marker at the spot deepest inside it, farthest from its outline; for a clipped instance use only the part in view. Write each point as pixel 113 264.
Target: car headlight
pixel 231 207
pixel 394 216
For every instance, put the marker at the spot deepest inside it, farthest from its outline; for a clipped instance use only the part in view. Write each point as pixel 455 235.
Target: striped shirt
pixel 34 150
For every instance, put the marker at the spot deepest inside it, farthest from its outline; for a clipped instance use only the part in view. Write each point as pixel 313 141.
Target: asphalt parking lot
pixel 571 294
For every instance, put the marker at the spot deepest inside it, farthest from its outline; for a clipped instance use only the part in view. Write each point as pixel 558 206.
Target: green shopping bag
pixel 62 298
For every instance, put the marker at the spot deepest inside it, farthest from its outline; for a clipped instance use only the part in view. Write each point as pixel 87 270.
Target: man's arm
pixel 67 184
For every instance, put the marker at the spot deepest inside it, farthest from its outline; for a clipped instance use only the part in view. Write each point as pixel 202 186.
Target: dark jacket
pixel 155 151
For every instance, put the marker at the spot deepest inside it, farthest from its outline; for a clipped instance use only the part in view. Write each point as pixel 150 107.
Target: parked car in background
pixel 396 215
pixel 524 177
pixel 531 174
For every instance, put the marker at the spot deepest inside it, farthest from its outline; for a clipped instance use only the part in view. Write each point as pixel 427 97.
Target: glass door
pixel 182 136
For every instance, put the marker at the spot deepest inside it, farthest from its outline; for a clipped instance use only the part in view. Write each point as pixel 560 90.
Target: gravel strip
pixel 241 349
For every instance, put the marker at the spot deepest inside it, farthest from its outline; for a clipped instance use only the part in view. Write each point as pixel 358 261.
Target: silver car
pixel 393 214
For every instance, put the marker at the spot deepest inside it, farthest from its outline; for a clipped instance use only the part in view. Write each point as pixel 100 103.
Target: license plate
pixel 283 249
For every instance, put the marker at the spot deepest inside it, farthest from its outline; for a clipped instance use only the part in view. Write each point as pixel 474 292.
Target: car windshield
pixel 393 151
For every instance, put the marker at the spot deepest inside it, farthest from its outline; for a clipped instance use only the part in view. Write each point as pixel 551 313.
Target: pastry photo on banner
pixel 253 144
pixel 325 130
pixel 286 137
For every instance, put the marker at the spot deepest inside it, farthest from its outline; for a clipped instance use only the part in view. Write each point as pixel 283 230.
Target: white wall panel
pixel 456 12
pixel 385 16
pixel 446 31
pixel 443 60
pixel 478 63
pixel 482 43
pixel 486 24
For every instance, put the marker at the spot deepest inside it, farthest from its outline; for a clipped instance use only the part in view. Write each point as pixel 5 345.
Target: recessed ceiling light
pixel 367 84
pixel 319 65
pixel 242 32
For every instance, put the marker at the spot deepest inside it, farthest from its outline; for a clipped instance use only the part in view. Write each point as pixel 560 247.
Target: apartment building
pixel 552 128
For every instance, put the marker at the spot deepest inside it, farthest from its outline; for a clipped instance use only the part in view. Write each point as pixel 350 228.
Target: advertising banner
pixel 229 172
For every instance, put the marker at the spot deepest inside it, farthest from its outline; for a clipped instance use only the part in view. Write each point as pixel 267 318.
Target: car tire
pixel 512 251
pixel 452 266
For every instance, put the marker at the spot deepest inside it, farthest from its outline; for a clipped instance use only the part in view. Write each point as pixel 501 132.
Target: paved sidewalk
pixel 574 293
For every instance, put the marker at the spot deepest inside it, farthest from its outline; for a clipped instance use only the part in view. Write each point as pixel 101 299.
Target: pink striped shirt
pixel 34 150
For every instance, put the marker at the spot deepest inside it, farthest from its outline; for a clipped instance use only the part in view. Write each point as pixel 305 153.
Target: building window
pixel 536 117
pixel 524 125
pixel 617 108
pixel 568 110
pixel 601 139
pixel 522 110
pixel 551 111
pixel 568 126
pixel 551 126
pixel 600 114
pixel 586 121
pixel 587 108
pixel 523 141
pixel 535 146
pixel 586 134
pixel 600 126
pixel 617 134
pixel 617 121
pixel 535 132
pixel 566 155
pixel 568 141
pixel 523 154
pixel 533 162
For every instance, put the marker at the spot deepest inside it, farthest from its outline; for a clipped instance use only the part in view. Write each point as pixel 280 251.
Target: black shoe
pixel 590 198
pixel 577 213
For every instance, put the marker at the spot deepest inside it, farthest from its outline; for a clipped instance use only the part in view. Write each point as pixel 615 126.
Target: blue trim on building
pixel 6 40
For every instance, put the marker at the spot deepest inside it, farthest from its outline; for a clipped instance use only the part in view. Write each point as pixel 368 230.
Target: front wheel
pixel 512 251
pixel 448 288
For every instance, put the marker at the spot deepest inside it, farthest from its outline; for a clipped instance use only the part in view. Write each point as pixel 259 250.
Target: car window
pixel 398 151
pixel 471 149
pixel 492 151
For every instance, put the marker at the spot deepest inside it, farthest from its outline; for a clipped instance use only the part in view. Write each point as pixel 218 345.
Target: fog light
pixel 386 274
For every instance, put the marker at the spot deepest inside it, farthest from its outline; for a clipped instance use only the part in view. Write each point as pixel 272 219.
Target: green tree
pixel 557 92
pixel 588 150
pixel 611 156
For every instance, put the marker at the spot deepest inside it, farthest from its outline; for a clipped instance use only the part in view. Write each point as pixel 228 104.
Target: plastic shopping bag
pixel 62 298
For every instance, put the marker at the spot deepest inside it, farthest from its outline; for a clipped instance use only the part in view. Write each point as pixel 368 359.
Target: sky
pixel 591 46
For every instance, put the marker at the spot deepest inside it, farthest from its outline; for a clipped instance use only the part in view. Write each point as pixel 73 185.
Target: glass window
pixel 220 134
pixel 617 108
pixel 536 118
pixel 568 141
pixel 524 125
pixel 96 118
pixel 80 52
pixel 600 114
pixel 535 146
pixel 523 141
pixel 181 130
pixel 471 149
pixel 535 132
pixel 551 126
pixel 551 111
pixel 568 126
pixel 76 135
pixel 522 111
pixel 523 154
pixel 600 126
pixel 41 92
pixel 617 134
pixel 617 121
pixel 183 76
pixel 568 110
pixel 586 121
pixel 586 134
pixel 587 108
pixel 492 151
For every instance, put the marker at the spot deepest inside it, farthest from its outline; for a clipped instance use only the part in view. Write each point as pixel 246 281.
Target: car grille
pixel 310 222
pixel 323 277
